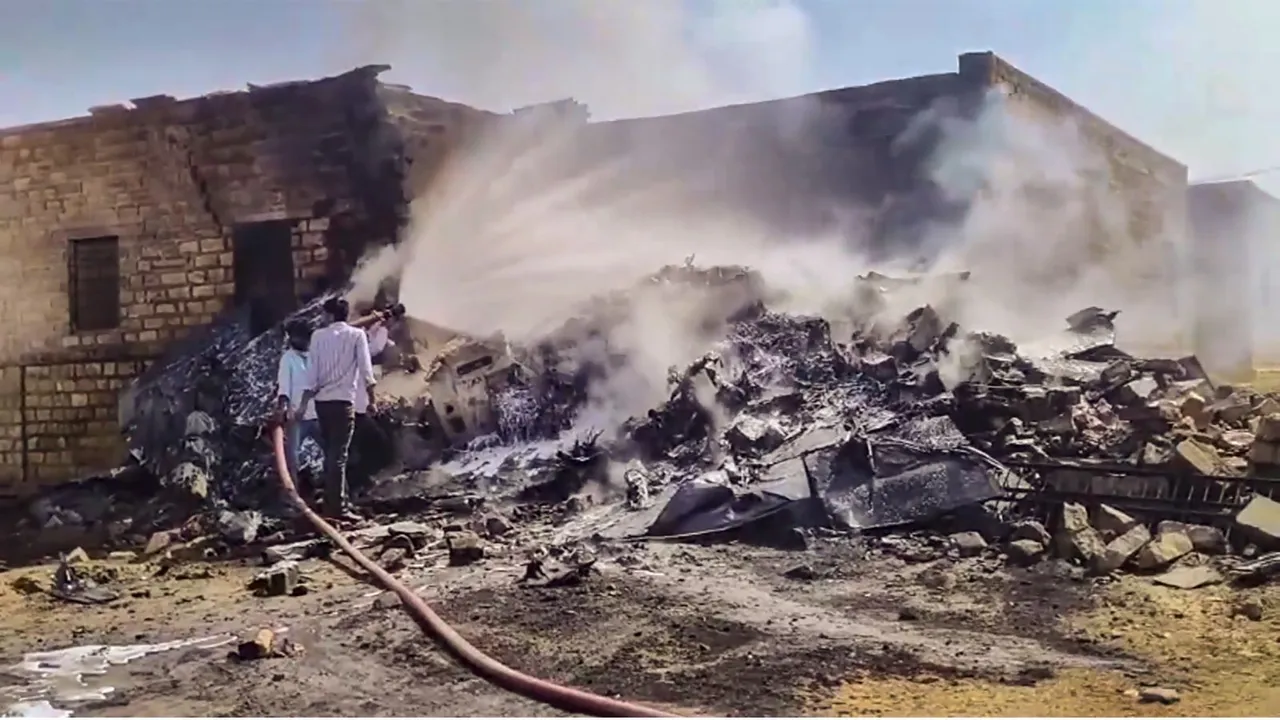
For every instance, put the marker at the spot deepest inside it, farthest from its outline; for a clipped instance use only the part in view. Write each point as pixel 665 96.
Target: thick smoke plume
pixel 526 231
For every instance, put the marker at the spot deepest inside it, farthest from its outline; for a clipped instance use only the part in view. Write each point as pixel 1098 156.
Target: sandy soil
pixel 727 629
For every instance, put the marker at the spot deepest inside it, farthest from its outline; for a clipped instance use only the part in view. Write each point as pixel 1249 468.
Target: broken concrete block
pixel 880 366
pixel 1189 577
pixel 1267 406
pixel 1260 520
pixel 417 533
pixel 1164 696
pixel 1198 457
pixel 279 579
pixel 496 526
pixel 968 544
pixel 77 556
pixel 1112 523
pixel 157 544
pixel 1207 539
pixel 753 435
pixel 1119 550
pixel 1231 410
pixel 1025 551
pixel 1236 442
pixel 188 478
pixel 1077 539
pixel 1195 408
pixel 261 646
pixel 1030 530
pixel 465 548
pixel 1163 550
pixel 1264 453
pixel 1269 428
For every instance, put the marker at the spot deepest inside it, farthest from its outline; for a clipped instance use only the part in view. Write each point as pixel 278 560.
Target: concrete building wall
pixel 1234 276
pixel 1140 227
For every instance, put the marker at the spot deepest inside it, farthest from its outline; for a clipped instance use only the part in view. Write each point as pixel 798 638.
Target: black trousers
pixel 337 422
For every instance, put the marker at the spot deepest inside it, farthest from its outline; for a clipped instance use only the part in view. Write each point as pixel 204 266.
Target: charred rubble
pixel 781 424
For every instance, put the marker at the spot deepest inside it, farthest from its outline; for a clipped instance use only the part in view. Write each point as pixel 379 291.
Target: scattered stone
pixel 1158 695
pixel 1249 609
pixel 417 533
pixel 1077 539
pixel 386 601
pixel 265 644
pixel 754 435
pixel 189 478
pixel 157 544
pixel 909 613
pixel 298 551
pixel 122 556
pixel 1032 530
pixel 77 556
pixel 1163 550
pixel 1112 523
pixel 1195 408
pixel 279 579
pixel 801 572
pixel 465 548
pixel 1260 519
pixel 1207 539
pixel 639 485
pixel 1236 442
pixel 496 526
pixel 1119 550
pixel 239 527
pixel 1198 457
pixel 1269 428
pixel 1188 577
pixel 1025 552
pixel 968 544
pixel 938 579
pixel 393 559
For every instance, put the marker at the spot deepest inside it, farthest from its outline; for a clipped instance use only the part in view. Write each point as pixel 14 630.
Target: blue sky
pixel 1185 75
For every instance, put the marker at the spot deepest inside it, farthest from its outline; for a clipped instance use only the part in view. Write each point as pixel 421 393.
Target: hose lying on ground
pixel 558 696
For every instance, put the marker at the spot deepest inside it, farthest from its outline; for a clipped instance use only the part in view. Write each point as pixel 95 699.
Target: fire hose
pixel 564 698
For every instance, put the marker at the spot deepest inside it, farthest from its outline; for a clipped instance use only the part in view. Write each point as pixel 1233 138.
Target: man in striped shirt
pixel 339 370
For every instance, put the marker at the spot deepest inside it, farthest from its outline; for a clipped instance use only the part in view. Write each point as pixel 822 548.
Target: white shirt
pixel 339 367
pixel 291 380
pixel 379 338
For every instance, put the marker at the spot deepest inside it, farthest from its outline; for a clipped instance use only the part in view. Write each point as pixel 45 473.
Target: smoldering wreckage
pixel 918 435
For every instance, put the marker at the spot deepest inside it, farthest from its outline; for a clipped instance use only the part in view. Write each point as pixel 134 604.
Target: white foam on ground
pixel 55 677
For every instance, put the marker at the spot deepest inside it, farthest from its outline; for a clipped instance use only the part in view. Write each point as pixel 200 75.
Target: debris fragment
pixel 1163 549
pixel 465 548
pixel 265 644
pixel 281 578
pixel 1161 695
pixel 1188 577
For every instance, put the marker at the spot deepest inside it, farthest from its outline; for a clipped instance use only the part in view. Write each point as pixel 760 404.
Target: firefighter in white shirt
pixel 339 374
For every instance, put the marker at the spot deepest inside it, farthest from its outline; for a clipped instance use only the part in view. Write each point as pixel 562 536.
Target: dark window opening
pixel 262 267
pixel 93 267
pixel 457 424
pixel 467 368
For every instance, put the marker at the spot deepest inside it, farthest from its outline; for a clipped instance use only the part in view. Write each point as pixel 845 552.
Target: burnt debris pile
pixel 783 423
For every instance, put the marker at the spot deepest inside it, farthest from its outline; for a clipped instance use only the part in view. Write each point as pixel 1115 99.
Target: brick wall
pixel 171 180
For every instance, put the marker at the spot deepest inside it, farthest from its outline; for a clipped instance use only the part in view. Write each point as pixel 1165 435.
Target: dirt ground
pixel 728 629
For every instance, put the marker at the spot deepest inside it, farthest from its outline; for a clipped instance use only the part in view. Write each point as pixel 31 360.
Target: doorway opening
pixel 262 267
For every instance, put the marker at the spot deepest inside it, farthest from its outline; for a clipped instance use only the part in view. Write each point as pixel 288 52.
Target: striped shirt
pixel 339 366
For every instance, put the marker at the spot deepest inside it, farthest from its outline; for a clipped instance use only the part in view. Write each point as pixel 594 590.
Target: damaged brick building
pixel 128 227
